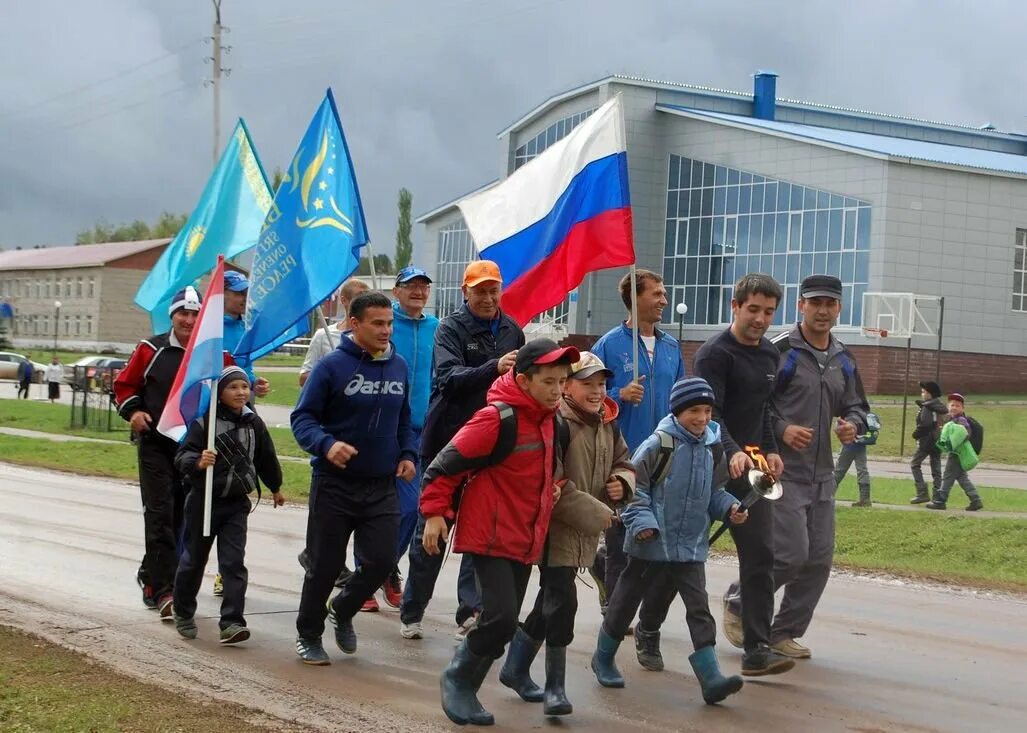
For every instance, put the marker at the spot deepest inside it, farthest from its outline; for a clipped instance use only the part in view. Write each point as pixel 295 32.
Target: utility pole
pixel 215 80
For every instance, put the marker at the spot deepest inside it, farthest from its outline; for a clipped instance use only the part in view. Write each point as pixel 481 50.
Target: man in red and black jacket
pixel 140 391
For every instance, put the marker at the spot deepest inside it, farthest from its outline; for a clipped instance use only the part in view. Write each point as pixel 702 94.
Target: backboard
pixel 899 315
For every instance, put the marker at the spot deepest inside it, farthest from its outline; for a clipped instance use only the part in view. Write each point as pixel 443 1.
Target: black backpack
pixel 976 434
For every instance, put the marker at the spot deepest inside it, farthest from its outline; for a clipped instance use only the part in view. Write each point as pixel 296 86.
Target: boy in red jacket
pixel 504 511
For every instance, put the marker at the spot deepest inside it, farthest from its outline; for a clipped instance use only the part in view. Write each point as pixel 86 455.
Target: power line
pixel 119 75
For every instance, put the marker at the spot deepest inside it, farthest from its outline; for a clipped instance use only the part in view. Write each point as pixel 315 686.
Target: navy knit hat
pixel 185 299
pixel 688 392
pixel 229 375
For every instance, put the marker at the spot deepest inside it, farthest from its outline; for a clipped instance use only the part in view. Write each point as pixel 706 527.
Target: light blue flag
pixel 226 221
pixel 311 240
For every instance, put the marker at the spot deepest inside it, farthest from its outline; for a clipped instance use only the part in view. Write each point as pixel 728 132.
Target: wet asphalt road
pixel 889 655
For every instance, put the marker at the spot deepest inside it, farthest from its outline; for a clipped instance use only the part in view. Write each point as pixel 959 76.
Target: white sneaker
pixel 411 631
pixel 462 630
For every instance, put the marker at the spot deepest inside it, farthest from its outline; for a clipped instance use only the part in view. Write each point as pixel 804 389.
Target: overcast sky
pixel 103 111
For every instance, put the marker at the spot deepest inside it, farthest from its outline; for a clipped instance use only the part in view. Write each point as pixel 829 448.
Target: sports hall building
pixel 724 183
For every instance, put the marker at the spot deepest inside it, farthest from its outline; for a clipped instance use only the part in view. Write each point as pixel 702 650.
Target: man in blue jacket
pixel 236 289
pixel 413 334
pixel 643 398
pixel 353 418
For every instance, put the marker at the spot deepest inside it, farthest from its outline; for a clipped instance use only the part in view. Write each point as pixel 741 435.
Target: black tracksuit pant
pixel 552 618
pixel 339 507
pixel 163 495
pixel 755 589
pixel 687 579
pixel 616 560
pixel 228 519
pixel 503 584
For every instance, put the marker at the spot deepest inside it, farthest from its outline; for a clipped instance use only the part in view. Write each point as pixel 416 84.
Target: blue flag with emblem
pixel 311 239
pixel 226 221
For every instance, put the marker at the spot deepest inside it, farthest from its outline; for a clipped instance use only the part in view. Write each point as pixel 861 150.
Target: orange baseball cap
pixel 481 271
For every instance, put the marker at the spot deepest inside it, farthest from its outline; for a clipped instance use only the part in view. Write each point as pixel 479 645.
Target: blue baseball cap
pixel 409 273
pixel 236 281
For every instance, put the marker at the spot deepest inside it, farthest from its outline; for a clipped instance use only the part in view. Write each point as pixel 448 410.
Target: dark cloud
pixel 424 87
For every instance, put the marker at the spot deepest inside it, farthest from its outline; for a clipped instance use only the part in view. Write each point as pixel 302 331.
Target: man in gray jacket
pixel 818 390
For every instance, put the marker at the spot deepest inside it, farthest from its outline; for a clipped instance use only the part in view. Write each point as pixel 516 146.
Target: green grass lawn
pixel 285 388
pixel 900 491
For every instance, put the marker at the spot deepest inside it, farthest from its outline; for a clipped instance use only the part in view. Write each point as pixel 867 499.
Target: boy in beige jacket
pixel 601 476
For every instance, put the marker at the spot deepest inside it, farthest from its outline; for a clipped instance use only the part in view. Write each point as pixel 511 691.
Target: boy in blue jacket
pixel 667 535
pixel 353 418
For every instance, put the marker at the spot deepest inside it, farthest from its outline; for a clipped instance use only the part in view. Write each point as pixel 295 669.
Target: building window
pixel 67 325
pixel 456 250
pixel 556 131
pixel 78 325
pixel 78 287
pixel 89 325
pixel 1020 271
pixel 723 223
pixel 92 287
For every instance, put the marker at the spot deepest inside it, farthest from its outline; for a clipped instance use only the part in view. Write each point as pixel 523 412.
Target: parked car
pixel 9 366
pixel 97 372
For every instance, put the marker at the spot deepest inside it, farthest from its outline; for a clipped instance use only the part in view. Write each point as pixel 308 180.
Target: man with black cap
pixel 141 390
pixel 932 413
pixel 818 390
pixel 473 347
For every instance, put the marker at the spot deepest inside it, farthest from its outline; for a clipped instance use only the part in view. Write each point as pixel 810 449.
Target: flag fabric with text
pixel 560 216
pixel 204 359
pixel 311 239
pixel 226 221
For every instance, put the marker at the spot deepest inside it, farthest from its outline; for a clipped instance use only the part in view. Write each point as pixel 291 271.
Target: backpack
pixel 873 428
pixel 976 434
pixel 787 370
pixel 667 451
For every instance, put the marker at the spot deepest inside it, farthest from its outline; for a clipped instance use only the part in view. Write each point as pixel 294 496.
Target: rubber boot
pixel 864 497
pixel 460 683
pixel 604 661
pixel 556 702
pixel 516 672
pixel 647 649
pixel 715 686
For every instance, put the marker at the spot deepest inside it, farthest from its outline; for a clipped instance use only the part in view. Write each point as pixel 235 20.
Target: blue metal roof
pixel 878 145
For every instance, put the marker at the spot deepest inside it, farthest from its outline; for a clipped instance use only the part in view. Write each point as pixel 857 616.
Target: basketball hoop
pixel 873 332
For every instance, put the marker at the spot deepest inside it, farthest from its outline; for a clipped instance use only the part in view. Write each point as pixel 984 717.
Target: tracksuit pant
pixel 954 474
pixel 424 572
pixel 803 553
pixel 366 508
pixel 163 497
pixel 640 577
pixel 848 455
pixel 228 521
pixel 556 604
pixel 755 586
pixel 924 453
pixel 503 584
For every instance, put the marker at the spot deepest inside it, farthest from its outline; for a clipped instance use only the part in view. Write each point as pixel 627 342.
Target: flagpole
pixel 634 322
pixel 324 325
pixel 370 261
pixel 208 475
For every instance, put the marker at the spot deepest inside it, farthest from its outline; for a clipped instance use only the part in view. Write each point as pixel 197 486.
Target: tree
pixel 167 225
pixel 277 176
pixel 404 245
pixel 382 265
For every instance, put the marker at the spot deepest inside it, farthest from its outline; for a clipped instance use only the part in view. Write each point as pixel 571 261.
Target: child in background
pixel 956 440
pixel 667 536
pixel 244 453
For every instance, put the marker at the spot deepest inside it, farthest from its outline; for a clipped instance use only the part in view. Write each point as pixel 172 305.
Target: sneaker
pixel 975 505
pixel 920 499
pixel 370 606
pixel 792 649
pixel 219 585
pixel 935 505
pixel 311 651
pixel 411 631
pixel 647 650
pixel 393 589
pixel 345 636
pixel 763 660
pixel 185 626
pixel 148 600
pixel 344 575
pixel 234 634
pixel 463 629
pixel 733 630
pixel 167 610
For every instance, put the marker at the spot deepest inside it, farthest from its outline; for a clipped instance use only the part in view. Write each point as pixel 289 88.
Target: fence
pixel 92 398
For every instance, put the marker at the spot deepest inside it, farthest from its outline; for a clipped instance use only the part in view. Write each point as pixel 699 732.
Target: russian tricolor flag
pixel 204 359
pixel 562 215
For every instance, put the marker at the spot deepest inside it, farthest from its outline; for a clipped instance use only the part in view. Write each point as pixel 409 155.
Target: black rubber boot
pixel 715 686
pixel 516 672
pixel 556 702
pixel 647 649
pixel 460 683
